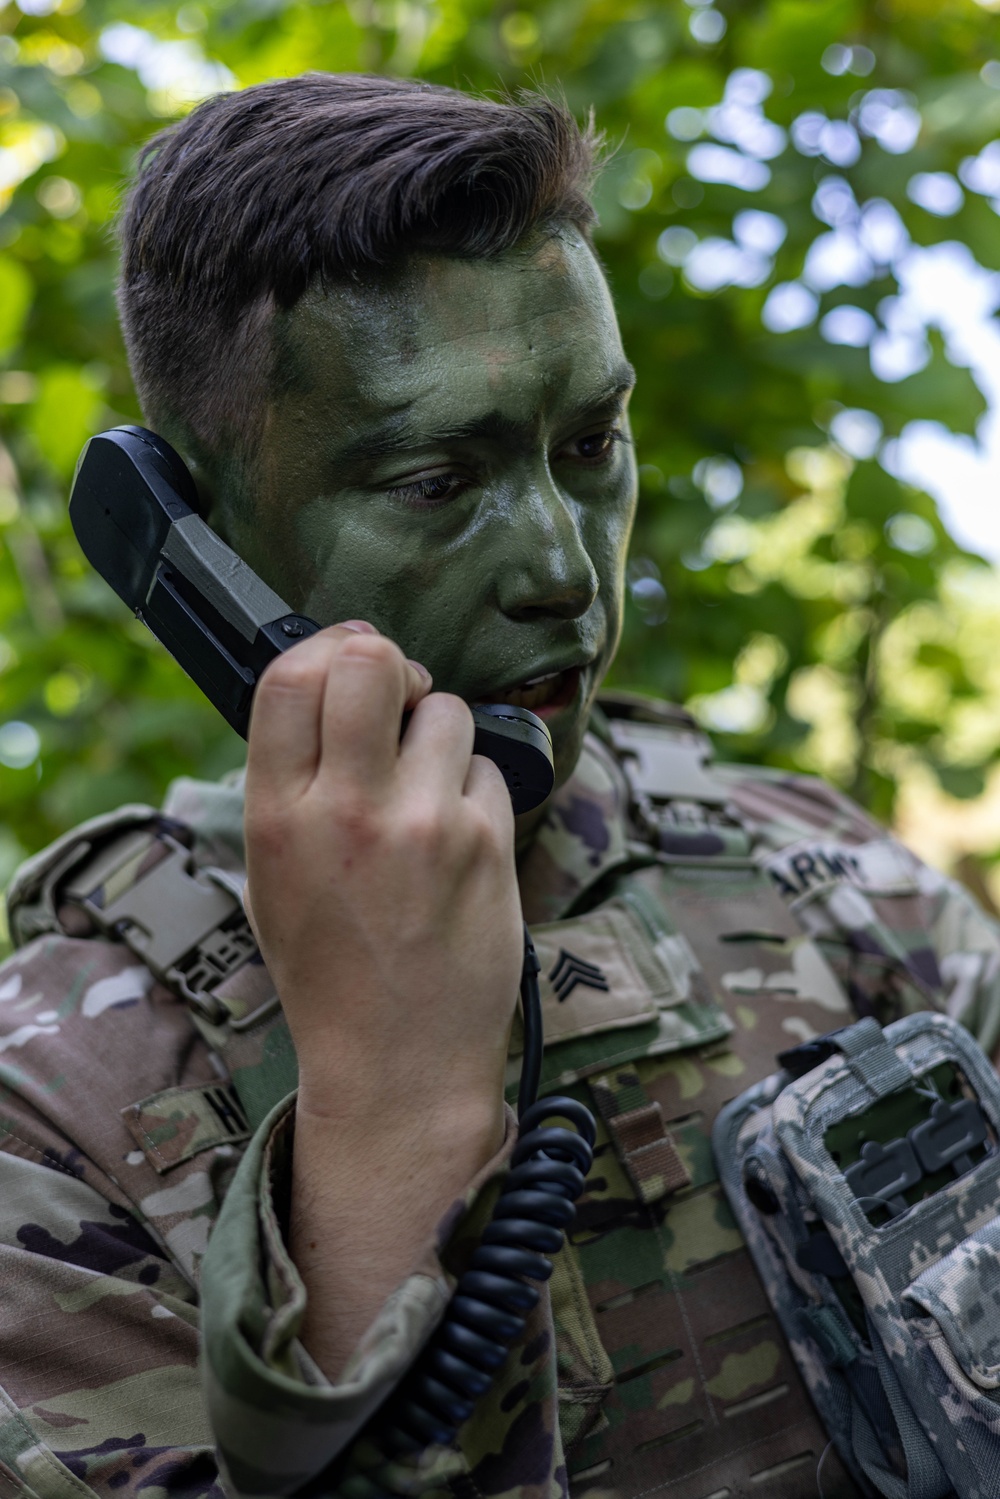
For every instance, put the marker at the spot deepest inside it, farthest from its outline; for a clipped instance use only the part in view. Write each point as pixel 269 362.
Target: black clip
pixel 819 1255
pixel 946 1138
pixel 885 1172
pixel 798 1060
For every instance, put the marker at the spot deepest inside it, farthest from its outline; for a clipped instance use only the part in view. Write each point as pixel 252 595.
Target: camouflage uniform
pixel 691 922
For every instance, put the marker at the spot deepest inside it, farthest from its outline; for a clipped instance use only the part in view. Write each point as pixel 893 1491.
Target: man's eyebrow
pixel 397 432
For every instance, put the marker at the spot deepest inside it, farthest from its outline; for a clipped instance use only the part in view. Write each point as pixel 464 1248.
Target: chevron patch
pixel 569 970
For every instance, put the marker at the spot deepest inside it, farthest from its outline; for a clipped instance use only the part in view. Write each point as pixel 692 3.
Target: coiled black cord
pixel 493 1297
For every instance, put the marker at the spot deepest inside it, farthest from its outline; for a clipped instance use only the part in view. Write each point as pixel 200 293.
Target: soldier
pixel 368 314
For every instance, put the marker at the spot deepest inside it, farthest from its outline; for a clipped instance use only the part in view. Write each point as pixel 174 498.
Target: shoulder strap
pixel 32 905
pixel 681 805
pixel 132 877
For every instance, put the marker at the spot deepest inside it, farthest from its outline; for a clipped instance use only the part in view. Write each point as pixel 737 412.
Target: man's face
pixel 448 457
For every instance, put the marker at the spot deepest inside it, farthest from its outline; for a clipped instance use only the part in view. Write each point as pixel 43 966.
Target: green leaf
pixel 963 781
pixel 65 413
pixel 15 301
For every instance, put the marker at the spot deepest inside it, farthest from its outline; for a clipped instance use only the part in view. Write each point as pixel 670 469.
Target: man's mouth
pixel 543 695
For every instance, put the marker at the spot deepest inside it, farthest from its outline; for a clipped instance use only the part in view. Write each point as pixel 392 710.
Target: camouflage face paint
pixel 447 456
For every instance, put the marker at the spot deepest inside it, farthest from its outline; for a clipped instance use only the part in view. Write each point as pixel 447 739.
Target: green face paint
pixel 447 456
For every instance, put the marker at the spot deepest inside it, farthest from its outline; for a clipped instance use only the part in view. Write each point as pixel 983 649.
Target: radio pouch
pixel 866 1179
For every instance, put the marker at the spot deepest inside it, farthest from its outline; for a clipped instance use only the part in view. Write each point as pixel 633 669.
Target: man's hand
pixel 383 894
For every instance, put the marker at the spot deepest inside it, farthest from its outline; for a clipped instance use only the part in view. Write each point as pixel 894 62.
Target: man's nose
pixel 547 569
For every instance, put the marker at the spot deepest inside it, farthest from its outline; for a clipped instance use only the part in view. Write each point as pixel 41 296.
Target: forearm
pixel 368 1195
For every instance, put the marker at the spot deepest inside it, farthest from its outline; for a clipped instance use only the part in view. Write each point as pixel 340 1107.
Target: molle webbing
pixel 707 1399
pixel 872 1060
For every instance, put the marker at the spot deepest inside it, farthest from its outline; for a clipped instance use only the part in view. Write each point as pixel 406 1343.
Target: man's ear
pixel 201 469
pixel 209 504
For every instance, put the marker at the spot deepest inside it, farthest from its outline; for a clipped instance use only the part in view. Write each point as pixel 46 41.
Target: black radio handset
pixel 134 510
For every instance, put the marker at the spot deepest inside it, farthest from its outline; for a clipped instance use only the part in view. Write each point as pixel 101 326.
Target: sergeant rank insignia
pixel 570 970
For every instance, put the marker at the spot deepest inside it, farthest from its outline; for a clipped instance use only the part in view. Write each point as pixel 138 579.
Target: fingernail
pixel 421 669
pixel 360 626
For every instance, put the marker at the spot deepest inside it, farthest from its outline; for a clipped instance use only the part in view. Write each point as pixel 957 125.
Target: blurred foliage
pixel 774 164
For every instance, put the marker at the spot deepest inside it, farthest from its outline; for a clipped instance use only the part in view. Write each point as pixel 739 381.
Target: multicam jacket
pixel 692 920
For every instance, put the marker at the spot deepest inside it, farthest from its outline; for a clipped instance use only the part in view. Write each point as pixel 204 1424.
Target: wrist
pixel 393 1132
pixel 398 1123
pixel 364 1085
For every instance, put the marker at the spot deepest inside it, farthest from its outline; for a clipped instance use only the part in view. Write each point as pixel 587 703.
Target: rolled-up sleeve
pixel 278 1421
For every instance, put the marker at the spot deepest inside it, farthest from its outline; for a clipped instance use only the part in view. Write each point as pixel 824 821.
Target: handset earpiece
pixel 133 509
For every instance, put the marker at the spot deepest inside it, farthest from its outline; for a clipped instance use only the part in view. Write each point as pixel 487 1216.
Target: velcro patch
pixel 599 972
pixel 881 867
pixel 172 1126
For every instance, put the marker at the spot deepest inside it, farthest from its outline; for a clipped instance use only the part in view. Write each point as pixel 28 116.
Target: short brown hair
pixel 237 209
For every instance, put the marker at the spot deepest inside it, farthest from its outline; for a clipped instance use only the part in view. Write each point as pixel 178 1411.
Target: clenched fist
pixel 383 894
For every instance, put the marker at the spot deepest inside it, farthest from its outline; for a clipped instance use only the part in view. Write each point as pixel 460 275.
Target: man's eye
pixel 432 491
pixel 598 446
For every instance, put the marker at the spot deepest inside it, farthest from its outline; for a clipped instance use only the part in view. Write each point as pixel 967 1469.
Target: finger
pixel 437 745
pixel 421 683
pixel 285 723
pixel 368 687
pixel 284 737
pixel 485 784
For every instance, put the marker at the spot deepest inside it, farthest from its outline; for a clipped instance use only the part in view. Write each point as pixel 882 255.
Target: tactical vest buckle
pixel 667 767
pixel 187 927
pixel 798 1060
